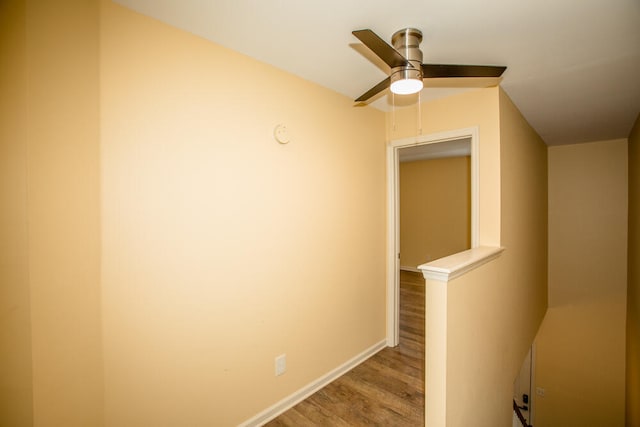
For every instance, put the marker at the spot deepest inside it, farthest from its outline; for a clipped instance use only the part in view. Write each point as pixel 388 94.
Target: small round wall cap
pixel 281 134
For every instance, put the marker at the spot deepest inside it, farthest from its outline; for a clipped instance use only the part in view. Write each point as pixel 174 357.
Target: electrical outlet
pixel 540 391
pixel 281 364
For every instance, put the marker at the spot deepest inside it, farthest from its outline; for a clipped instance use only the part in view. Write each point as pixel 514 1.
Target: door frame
pixel 393 213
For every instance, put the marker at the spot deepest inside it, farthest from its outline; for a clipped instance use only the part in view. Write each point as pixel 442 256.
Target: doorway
pixel 462 142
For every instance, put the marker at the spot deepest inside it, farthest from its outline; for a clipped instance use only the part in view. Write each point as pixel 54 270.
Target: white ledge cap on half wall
pixel 452 266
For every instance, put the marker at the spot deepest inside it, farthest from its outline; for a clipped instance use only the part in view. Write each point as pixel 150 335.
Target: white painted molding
pixel 434 137
pixel 393 250
pixel 393 221
pixel 306 391
pixel 448 268
pixel 411 269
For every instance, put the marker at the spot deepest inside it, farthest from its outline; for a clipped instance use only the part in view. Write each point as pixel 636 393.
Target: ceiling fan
pixel 407 69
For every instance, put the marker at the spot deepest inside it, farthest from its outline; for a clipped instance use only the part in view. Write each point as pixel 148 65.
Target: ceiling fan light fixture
pixel 406 86
pixel 406 81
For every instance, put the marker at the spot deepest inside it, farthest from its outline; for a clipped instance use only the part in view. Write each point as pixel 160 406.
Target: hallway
pixel 387 389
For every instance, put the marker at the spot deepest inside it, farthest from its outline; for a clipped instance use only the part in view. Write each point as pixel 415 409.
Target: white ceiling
pixel 573 65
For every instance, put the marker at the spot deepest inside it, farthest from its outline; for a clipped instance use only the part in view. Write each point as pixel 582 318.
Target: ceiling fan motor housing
pixel 407 43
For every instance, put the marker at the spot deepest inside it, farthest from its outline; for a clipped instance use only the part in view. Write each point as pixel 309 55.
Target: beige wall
pixel 581 344
pixel 63 217
pixel 633 290
pixel 15 314
pixel 523 183
pixel 222 248
pixel 495 311
pixel 476 108
pixel 52 161
pixel 489 333
pixel 435 209
pixel 480 357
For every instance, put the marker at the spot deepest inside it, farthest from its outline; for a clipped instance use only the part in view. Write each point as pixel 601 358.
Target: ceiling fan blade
pixel 387 53
pixel 444 70
pixel 375 90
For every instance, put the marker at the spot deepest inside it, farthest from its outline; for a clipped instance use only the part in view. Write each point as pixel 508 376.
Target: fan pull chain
pixel 419 113
pixel 393 111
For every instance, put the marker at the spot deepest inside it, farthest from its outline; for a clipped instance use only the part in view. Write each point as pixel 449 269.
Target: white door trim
pixel 393 217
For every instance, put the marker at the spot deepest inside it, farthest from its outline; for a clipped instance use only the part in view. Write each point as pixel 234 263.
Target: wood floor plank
pixel 397 395
pixel 409 377
pixel 319 415
pixel 403 366
pixel 385 390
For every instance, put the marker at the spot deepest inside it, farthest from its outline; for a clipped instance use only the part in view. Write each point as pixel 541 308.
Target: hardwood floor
pixel 385 390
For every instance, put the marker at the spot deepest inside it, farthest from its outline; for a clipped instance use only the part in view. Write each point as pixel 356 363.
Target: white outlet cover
pixel 281 364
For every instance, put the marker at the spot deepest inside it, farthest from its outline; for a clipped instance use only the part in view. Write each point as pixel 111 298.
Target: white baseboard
pixel 306 391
